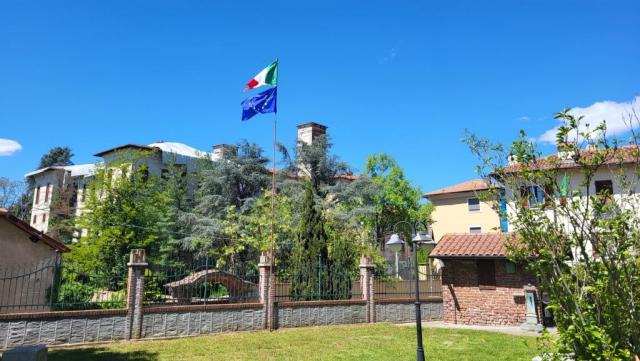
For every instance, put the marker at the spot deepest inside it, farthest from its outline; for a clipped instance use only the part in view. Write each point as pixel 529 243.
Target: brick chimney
pixel 221 150
pixel 307 132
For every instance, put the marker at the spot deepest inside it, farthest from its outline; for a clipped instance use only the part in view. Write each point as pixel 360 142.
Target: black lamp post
pixel 418 238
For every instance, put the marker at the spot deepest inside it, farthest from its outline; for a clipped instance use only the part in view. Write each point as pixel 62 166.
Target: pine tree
pixel 310 259
pixel 58 156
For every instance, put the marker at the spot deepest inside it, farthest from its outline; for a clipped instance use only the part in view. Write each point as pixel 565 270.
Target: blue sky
pixel 402 77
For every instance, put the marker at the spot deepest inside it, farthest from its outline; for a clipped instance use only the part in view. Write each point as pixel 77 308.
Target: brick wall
pixel 465 303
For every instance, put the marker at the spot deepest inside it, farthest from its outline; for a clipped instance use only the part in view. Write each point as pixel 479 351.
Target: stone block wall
pixel 404 310
pixel 318 313
pixel 62 328
pixel 200 320
pixel 465 302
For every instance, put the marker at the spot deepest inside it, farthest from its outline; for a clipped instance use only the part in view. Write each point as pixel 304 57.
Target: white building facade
pixel 73 181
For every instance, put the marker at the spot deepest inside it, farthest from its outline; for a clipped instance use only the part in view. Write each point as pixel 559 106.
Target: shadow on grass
pixel 100 354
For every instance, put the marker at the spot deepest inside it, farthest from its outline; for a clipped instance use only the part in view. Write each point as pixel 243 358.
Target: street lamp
pixel 395 244
pixel 418 238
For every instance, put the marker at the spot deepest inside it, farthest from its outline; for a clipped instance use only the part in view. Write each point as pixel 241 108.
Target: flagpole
pixel 272 285
pixel 273 190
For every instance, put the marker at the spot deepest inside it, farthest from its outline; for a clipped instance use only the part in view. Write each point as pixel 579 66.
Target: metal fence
pixel 399 280
pixel 430 286
pixel 200 283
pixel 318 281
pixel 53 286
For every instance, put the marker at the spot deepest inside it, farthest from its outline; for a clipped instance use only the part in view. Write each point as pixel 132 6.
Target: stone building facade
pixel 72 181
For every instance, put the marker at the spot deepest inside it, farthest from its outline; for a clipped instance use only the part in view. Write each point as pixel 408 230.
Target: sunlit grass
pixel 352 342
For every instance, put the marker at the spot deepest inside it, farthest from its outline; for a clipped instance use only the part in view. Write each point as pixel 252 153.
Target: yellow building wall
pixel 451 215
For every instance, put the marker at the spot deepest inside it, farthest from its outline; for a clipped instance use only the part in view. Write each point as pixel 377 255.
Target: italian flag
pixel 267 76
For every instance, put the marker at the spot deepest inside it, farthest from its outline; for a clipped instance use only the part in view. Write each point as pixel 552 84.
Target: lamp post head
pixel 395 243
pixel 423 238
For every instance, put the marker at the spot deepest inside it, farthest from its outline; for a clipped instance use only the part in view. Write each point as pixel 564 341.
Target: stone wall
pixel 465 303
pixel 61 328
pixel 200 320
pixel 78 327
pixel 404 310
pixel 317 313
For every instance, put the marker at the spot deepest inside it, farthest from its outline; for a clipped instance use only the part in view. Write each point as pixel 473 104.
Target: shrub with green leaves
pixel 583 246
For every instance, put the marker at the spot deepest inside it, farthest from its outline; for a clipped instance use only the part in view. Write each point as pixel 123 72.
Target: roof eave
pixel 466 257
pixel 433 194
pixel 121 147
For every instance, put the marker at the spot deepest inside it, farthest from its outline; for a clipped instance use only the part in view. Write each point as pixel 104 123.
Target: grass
pixel 353 342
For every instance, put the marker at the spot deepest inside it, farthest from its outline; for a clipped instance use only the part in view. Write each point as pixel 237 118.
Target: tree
pixel 316 163
pixel 229 186
pixel 397 199
pixel 58 156
pixel 9 192
pixel 16 197
pixel 583 247
pixel 126 208
pixel 310 254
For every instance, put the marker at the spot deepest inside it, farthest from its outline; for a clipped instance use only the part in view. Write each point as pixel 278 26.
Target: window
pixel 532 196
pixel 475 229
pixel 473 204
pixel 604 188
pixel 486 274
pixel 504 222
pixel 35 219
pixel 46 193
pixel 44 218
pixel 510 267
pixel 37 195
pixel 73 198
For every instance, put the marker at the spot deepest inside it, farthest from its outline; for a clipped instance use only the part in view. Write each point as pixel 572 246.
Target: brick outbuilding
pixel 479 285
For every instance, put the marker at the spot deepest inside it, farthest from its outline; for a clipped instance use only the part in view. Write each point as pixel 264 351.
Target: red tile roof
pixel 471 245
pixel 51 242
pixel 622 155
pixel 468 186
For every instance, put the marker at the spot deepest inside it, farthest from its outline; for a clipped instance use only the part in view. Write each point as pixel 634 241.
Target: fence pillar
pixel 265 285
pixel 135 291
pixel 366 284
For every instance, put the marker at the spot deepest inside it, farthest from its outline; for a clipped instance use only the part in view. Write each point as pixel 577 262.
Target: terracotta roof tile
pixel 471 245
pixel 468 186
pixel 622 155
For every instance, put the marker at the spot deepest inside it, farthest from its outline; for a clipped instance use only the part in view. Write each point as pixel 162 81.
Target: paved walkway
pixel 510 330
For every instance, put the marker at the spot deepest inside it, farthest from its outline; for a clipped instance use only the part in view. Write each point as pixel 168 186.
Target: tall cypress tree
pixel 310 257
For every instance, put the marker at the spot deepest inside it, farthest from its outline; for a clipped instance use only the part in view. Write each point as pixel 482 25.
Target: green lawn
pixel 353 342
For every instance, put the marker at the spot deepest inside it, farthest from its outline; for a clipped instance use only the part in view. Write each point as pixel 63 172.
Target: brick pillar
pixel 264 287
pixel 135 290
pixel 366 285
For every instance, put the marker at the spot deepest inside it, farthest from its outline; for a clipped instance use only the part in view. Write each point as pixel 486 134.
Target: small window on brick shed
pixel 486 274
pixel 510 267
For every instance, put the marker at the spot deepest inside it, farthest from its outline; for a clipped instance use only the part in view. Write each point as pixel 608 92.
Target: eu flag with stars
pixel 264 102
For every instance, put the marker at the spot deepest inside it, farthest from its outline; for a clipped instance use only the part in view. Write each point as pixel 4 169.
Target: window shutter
pixel 486 274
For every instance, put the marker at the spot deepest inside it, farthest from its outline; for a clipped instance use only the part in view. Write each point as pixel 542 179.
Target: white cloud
pixel 390 55
pixel 524 118
pixel 8 147
pixel 615 114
